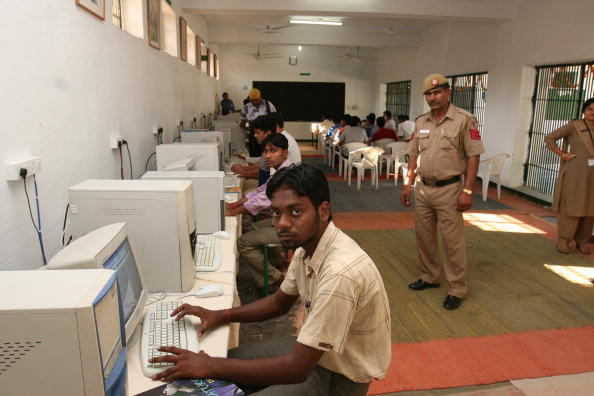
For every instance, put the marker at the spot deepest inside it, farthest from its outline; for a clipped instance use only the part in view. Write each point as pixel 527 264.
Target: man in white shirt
pixel 405 128
pixel 294 152
pixel 390 124
pixel 256 107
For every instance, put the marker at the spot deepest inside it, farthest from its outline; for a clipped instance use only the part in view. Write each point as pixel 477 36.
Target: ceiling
pixel 366 23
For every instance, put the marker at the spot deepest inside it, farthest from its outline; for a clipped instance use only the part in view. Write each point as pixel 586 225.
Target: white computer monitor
pixel 209 196
pixel 109 247
pixel 65 331
pixel 161 223
pixel 184 164
pixel 200 136
pixel 207 156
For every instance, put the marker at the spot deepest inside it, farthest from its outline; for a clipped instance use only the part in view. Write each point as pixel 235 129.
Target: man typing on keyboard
pixel 345 338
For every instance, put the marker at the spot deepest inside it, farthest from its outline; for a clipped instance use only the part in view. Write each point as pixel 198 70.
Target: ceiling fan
pixel 271 29
pixel 356 56
pixel 260 55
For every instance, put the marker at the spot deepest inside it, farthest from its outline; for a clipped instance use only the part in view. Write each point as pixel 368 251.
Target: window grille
pixel 469 91
pixel 559 92
pixel 398 98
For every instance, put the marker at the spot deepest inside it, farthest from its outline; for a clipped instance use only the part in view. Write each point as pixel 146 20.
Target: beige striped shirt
pixel 346 307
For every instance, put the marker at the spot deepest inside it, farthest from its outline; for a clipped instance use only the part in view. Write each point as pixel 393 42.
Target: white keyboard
pixel 160 329
pixel 230 181
pixel 208 253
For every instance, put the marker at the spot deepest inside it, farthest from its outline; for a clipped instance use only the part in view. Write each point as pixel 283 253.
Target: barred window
pixel 469 91
pixel 116 11
pixel 398 98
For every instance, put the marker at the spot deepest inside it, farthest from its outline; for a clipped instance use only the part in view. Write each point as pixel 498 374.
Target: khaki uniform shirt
pixel 346 307
pixel 442 149
pixel 574 189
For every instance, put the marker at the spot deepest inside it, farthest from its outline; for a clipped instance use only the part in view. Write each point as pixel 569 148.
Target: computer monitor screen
pixel 122 262
pixel 109 247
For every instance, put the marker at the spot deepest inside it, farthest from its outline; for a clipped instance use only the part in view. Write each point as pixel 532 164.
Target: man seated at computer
pixel 250 243
pixel 345 338
pixel 263 126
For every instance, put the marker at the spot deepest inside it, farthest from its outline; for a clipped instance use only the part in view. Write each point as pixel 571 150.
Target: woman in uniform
pixel 574 191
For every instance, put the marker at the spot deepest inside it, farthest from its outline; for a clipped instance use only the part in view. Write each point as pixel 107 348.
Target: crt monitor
pixel 62 334
pixel 109 247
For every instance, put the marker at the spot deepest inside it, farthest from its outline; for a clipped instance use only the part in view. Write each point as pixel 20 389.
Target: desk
pixel 215 342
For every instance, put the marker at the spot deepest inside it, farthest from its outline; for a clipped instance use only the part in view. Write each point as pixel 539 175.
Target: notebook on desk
pixel 196 387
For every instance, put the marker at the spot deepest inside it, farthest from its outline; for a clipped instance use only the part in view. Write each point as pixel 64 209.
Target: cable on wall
pixel 125 142
pixel 23 174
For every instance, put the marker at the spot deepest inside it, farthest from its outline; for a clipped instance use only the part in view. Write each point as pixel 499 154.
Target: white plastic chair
pixel 345 163
pixel 382 142
pixel 369 160
pixel 392 151
pixel 490 169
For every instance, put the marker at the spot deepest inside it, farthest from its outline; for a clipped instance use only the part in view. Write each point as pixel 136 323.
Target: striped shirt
pixel 347 314
pixel 257 199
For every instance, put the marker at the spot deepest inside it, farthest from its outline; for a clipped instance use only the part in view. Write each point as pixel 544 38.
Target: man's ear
pixel 285 154
pixel 324 211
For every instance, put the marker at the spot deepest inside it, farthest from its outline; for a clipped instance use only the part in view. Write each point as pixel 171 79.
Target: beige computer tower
pixel 161 221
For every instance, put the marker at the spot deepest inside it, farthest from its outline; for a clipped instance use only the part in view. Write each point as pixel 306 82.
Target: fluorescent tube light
pixel 332 22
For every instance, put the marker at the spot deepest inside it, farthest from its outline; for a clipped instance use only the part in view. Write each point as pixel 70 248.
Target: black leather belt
pixel 440 183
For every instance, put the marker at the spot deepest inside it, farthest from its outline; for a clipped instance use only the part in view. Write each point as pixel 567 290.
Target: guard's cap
pixel 433 81
pixel 254 94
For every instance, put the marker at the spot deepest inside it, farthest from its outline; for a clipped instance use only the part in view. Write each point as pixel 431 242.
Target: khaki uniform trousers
pixel 320 382
pixel 250 245
pixel 436 206
pixel 578 228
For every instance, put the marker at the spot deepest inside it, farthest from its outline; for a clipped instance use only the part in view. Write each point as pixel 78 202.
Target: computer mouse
pixel 221 235
pixel 209 291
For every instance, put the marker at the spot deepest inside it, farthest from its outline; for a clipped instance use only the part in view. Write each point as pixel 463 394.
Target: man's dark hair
pixel 336 119
pixel 388 114
pixel 371 117
pixel 304 180
pixel 345 117
pixel 403 117
pixel 277 140
pixel 225 93
pixel 246 101
pixel 587 103
pixel 279 119
pixel 354 121
pixel 381 122
pixel 265 123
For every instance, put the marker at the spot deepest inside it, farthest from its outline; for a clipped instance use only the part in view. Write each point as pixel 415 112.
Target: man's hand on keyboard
pixel 208 318
pixel 186 364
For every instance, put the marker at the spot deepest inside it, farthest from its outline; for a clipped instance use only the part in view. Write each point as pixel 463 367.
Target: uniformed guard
pixel 444 157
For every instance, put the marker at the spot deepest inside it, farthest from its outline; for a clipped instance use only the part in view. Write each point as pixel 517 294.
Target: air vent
pixel 119 212
pixel 12 352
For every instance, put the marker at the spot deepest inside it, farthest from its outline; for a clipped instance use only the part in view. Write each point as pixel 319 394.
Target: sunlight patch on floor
pixel 579 275
pixel 501 223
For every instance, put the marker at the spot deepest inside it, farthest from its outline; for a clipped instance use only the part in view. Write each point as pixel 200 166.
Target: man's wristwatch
pixel 467 191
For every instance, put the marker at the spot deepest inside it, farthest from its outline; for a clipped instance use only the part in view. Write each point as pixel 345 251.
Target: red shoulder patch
pixel 475 134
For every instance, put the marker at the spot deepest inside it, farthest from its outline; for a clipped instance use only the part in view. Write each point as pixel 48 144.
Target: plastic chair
pixel 490 168
pixel 369 160
pixel 392 152
pixel 345 163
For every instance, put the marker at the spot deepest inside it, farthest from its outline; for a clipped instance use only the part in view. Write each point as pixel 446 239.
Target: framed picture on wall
pixel 183 39
pixel 154 23
pixel 95 7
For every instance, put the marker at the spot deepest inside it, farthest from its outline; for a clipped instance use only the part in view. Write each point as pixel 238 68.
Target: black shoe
pixel 422 285
pixel 451 302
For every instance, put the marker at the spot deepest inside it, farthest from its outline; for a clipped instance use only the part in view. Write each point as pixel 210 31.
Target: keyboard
pixel 208 253
pixel 160 329
pixel 230 181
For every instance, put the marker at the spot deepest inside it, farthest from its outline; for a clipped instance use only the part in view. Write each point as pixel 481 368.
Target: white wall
pixel 70 81
pixel 239 69
pixel 543 32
